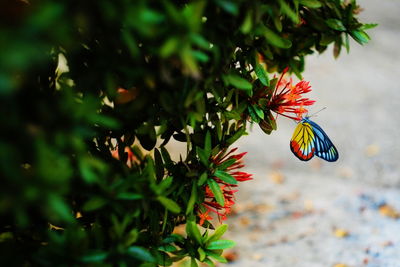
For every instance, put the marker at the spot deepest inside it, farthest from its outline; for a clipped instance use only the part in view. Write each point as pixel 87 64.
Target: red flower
pixel 210 204
pixel 130 160
pixel 287 98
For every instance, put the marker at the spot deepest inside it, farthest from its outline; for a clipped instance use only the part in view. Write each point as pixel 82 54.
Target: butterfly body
pixel 309 139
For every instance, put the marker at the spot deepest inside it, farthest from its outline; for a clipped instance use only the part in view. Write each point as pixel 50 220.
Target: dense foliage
pixel 92 91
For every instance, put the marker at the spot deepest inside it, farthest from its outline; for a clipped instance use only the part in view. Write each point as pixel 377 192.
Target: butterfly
pixel 309 139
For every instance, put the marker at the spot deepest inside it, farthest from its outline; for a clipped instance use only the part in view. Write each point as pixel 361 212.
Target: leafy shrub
pixel 92 91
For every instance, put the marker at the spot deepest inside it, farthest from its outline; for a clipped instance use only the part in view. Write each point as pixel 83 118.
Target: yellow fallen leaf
pixel 346 172
pixel 276 177
pixel 340 233
pixel 372 150
pixel 257 256
pixel 389 211
pixel 308 205
pixel 340 265
pixel 244 221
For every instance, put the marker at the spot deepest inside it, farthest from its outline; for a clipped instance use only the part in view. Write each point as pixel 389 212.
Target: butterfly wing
pixel 302 143
pixel 324 147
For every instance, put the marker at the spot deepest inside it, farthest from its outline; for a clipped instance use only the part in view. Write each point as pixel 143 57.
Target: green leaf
pixel 258 111
pixel 159 164
pixel 169 204
pixel 96 256
pixel 326 39
pixel 278 23
pixel 107 122
pixel 207 142
pixel 253 115
pixel 220 244
pixel 238 82
pixel 229 6
pixel 272 121
pixel 262 74
pixel 202 179
pixel 216 257
pixel 129 196
pixel 214 186
pixel 131 237
pixel 160 188
pixel 360 37
pixel 209 262
pixel 236 136
pixel 204 156
pixel 347 43
pixel 200 56
pixel 193 262
pixel 193 232
pixel 217 233
pixel 173 238
pixel 200 41
pixel 226 164
pixel 130 43
pixel 335 24
pixel 94 204
pixel 141 253
pixel 275 39
pixel 169 47
pixel 202 254
pixel 247 23
pixel 166 156
pixel 289 12
pixel 192 199
pixel 167 248
pixel 368 26
pixel 311 3
pixel 226 177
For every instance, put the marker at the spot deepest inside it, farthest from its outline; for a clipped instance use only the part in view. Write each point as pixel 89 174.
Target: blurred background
pixel 318 213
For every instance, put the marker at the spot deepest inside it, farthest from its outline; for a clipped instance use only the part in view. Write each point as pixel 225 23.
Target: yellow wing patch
pixel 302 142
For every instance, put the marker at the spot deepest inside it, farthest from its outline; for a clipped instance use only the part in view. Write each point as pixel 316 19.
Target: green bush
pixel 92 91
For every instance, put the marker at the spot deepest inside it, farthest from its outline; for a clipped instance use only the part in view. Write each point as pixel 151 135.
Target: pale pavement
pixel 318 213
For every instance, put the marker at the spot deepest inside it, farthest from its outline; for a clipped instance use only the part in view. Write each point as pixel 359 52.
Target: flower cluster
pixel 131 158
pixel 210 204
pixel 287 99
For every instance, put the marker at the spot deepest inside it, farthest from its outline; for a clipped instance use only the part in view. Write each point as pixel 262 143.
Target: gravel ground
pixel 325 214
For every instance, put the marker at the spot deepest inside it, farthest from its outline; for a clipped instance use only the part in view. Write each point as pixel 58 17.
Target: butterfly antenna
pixel 315 113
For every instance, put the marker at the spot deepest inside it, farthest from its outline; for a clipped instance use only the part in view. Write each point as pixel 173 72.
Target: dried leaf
pixel 341 233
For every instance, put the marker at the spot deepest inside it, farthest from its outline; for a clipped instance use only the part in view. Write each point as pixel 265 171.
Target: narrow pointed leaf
pixel 140 254
pixel 262 74
pixel 202 254
pixel 193 262
pixel 238 82
pixel 226 164
pixel 193 232
pixel 169 204
pixel 202 179
pixel 216 191
pixel 192 199
pixel 216 257
pixel 226 177
pixel 275 39
pixel 207 142
pixel 217 233
pixel 311 3
pixel 203 155
pixel 221 244
pixel 335 24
